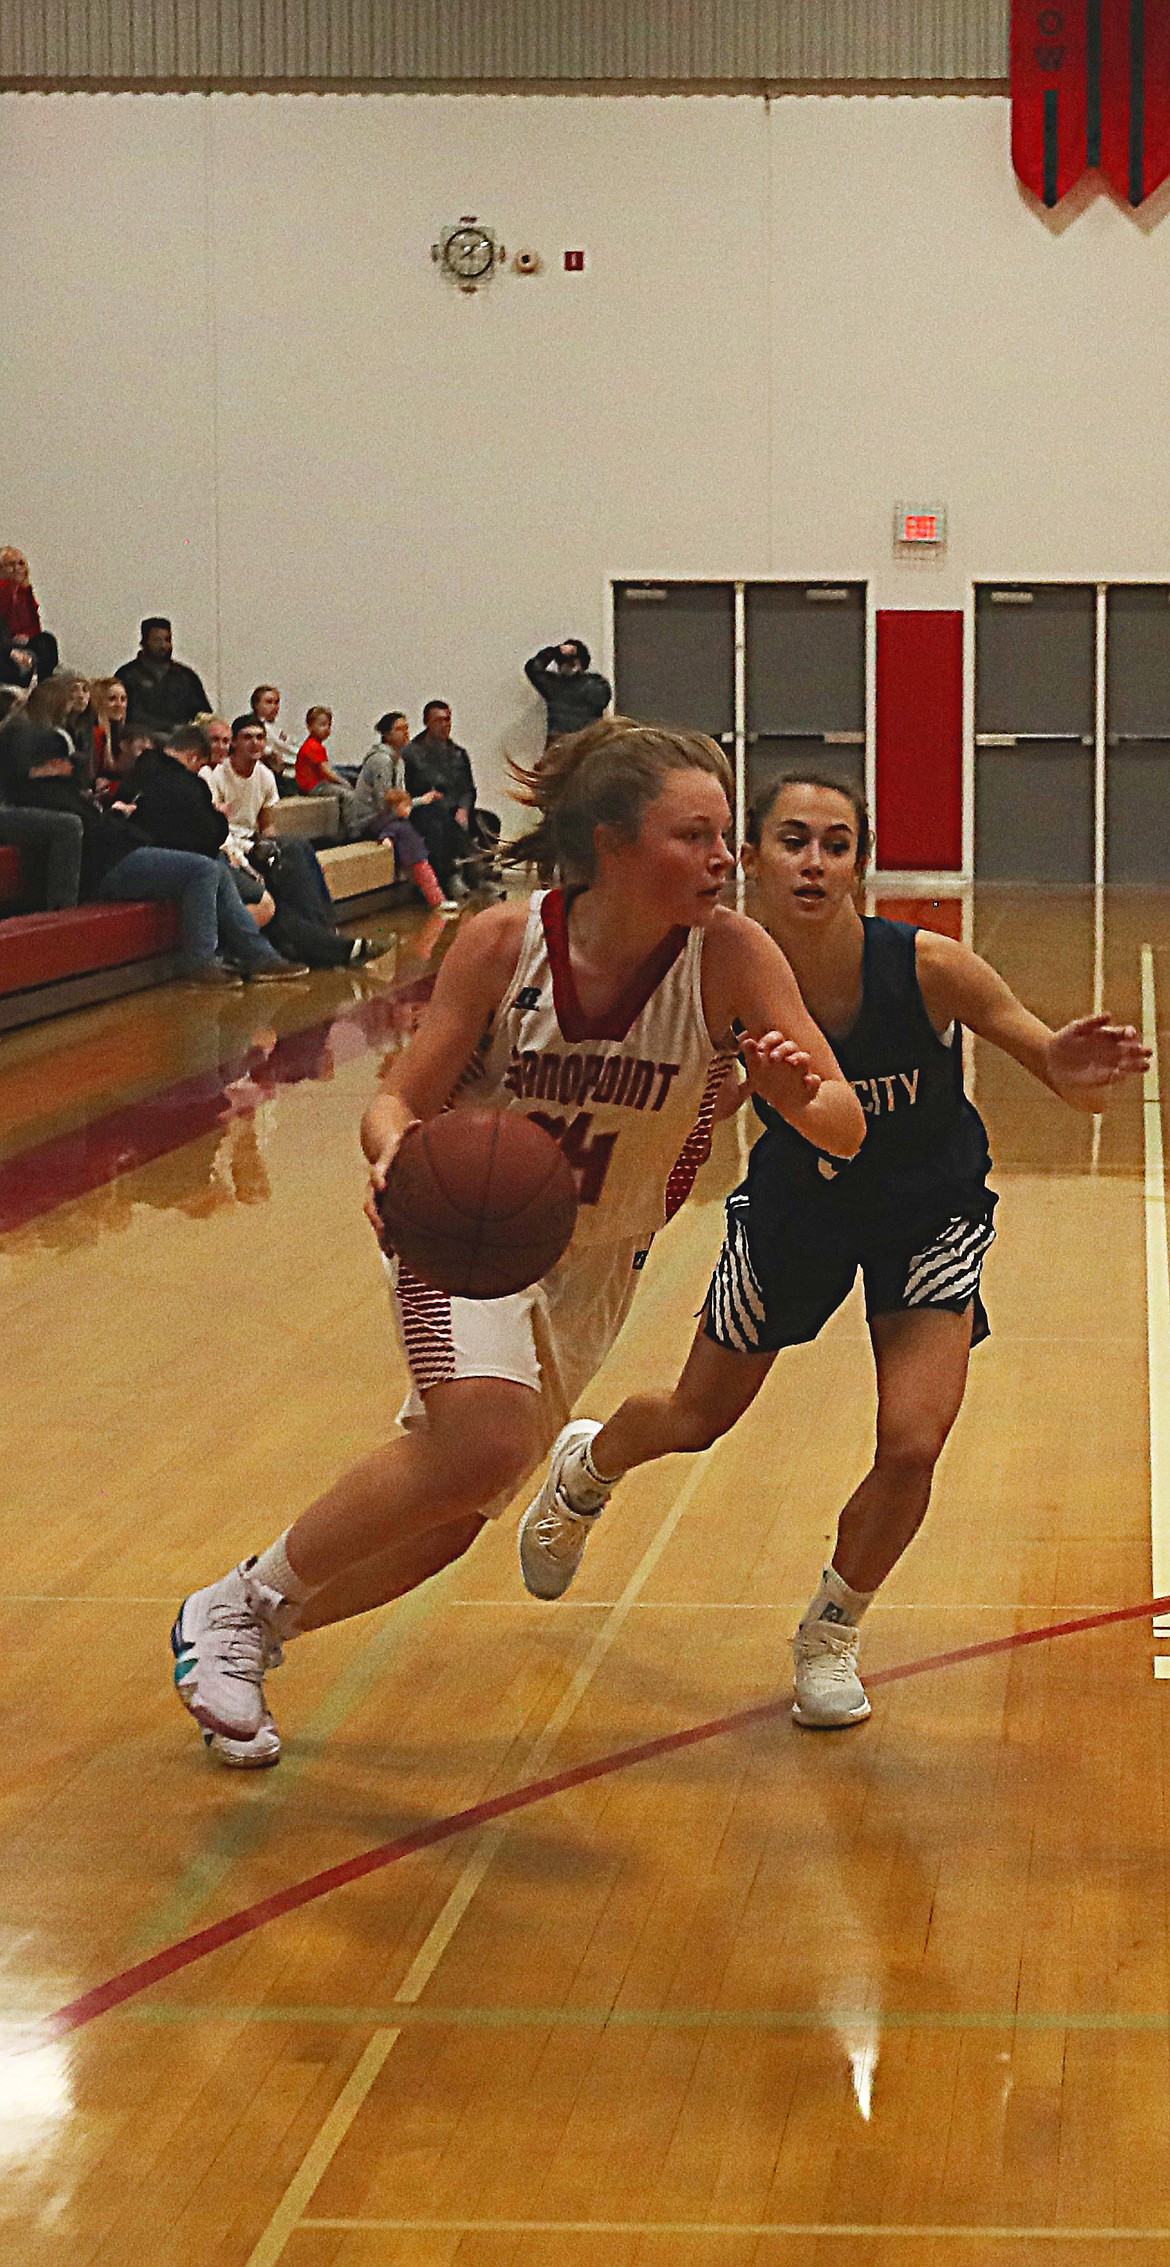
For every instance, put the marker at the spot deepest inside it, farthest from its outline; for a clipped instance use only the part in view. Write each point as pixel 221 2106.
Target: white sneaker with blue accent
pixel 221 1641
pixel 829 1692
pixel 554 1531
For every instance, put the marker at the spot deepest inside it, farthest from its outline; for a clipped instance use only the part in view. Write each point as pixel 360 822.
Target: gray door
pixel 1137 710
pixel 674 655
pixel 1035 704
pixel 805 670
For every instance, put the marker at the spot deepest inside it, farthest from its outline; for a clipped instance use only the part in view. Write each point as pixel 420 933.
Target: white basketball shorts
pixel 553 1337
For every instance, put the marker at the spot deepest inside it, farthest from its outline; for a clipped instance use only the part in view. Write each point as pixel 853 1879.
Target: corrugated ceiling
pixel 706 43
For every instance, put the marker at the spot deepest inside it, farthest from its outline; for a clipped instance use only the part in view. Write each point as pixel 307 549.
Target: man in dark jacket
pixel 160 691
pixel 574 694
pixel 458 835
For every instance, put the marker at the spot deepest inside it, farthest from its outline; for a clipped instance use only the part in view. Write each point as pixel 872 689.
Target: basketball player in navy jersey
pixel 912 1210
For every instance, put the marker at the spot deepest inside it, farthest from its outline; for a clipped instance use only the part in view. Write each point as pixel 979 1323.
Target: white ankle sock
pixel 272 1567
pixel 834 1601
pixel 587 1488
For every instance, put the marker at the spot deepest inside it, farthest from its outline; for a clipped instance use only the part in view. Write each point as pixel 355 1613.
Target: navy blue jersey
pixel 925 1152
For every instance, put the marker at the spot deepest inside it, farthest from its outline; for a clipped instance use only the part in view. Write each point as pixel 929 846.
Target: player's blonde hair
pixel 606 775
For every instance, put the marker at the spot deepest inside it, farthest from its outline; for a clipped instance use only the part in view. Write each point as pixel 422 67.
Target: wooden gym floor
pixel 759 1999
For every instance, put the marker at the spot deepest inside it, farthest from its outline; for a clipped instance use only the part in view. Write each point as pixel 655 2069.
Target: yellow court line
pixel 1157 1297
pixel 867 2228
pixel 484 1848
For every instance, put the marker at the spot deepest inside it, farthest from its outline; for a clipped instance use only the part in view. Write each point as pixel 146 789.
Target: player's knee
pixel 913 1447
pixel 696 1427
pixel 497 1467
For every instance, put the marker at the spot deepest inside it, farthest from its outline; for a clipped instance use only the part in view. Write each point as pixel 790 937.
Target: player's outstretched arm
pixel 471 982
pixel 1083 1062
pixel 748 981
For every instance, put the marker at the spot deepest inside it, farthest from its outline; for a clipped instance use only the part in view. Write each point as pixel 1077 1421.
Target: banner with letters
pixel 1091 93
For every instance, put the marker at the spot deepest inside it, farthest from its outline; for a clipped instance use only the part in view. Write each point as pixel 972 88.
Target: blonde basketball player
pixel 605 1007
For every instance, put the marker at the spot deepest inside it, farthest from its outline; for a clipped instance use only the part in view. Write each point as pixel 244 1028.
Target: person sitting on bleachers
pixel 161 691
pixel 244 790
pixel 280 753
pixel 27 651
pixel 108 701
pixel 315 774
pixel 434 760
pixel 49 841
pixel 381 810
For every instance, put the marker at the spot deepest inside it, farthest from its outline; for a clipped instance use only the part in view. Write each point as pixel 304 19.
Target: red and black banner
pixel 1091 93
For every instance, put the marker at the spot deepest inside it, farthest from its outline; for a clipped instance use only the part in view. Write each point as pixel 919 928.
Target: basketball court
pixel 552 1939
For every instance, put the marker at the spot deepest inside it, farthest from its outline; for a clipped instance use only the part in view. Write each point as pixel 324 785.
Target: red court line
pixel 36 1180
pixel 174 1957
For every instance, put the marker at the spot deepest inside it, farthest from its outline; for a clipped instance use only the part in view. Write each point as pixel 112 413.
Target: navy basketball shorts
pixel 778 1281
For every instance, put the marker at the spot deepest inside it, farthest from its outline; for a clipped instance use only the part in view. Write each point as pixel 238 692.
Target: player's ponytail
pixel 603 776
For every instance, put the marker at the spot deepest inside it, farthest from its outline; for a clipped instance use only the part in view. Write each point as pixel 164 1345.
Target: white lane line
pixel 723 2228
pixel 288 2214
pixel 1157 1300
pixel 319 2156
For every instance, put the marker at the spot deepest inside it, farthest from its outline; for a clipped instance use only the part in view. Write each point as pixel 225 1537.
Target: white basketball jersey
pixel 629 1095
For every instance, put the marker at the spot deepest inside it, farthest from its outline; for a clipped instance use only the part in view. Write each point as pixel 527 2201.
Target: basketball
pixel 479 1203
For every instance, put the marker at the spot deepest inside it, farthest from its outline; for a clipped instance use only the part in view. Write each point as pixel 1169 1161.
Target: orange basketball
pixel 479 1203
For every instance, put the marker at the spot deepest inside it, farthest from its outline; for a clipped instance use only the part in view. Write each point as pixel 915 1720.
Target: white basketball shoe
pixel 222 1640
pixel 258 1754
pixel 555 1529
pixel 829 1692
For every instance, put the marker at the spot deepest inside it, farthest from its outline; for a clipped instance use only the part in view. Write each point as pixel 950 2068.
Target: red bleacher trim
pixel 45 948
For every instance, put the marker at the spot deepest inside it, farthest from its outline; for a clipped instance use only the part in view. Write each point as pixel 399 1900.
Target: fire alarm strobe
pixel 920 525
pixel 468 253
pixel 575 262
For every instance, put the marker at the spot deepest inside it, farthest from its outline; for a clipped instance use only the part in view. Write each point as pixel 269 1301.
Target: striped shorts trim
pixel 736 1309
pixel 947 1272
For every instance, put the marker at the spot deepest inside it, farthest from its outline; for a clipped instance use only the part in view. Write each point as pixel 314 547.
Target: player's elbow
pixel 845 1120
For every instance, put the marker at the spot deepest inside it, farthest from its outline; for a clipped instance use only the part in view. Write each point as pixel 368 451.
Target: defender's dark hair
pixel 152 622
pixel 434 704
pixel 603 776
pixel 765 804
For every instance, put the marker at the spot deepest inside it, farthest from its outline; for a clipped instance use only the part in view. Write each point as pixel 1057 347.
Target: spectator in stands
pixel 219 739
pixel 108 699
pixel 50 707
pixel 160 691
pixel 574 694
pixel 27 652
pixel 315 775
pixel 49 841
pixel 280 753
pixel 381 810
pixel 117 861
pixel 434 760
pixel 244 790
pixel 80 722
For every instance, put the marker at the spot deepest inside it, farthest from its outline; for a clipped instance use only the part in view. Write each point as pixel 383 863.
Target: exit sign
pixel 920 523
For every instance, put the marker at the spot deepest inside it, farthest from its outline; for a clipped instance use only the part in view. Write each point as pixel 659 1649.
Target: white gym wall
pixel 236 389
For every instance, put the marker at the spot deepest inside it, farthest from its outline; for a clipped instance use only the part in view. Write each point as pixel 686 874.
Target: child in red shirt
pixel 313 767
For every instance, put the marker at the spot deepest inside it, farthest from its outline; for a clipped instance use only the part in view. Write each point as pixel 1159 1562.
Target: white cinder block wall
pixel 236 390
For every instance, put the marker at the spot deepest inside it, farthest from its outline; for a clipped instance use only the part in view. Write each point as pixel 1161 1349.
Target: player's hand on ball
pixel 780 1070
pixel 1095 1051
pixel 384 1127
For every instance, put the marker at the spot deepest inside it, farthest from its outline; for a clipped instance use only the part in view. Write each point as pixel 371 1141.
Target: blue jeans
pixel 211 911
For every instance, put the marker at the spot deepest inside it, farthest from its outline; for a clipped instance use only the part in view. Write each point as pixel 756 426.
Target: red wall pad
pixel 920 741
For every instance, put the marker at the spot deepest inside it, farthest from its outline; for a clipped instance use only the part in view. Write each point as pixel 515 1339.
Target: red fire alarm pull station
pixel 575 262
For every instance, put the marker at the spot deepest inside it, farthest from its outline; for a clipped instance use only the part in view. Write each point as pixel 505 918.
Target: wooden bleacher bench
pixel 363 877
pixel 315 818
